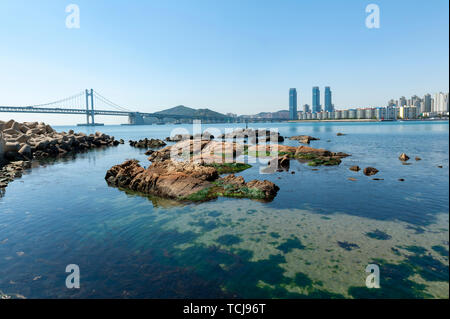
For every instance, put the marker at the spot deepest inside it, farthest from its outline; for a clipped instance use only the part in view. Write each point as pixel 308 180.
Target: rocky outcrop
pixel 403 157
pixel 255 136
pixel 182 137
pixel 278 164
pixel 11 171
pixel 148 143
pixel 369 171
pixel 304 139
pixel 185 181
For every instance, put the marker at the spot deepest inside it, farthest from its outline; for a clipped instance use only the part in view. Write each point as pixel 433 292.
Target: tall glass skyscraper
pixel 316 100
pixel 293 104
pixel 328 102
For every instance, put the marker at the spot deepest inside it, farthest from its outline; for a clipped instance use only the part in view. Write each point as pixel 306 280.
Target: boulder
pixel 281 163
pixel 355 168
pixel 369 171
pixel 305 139
pixel 403 157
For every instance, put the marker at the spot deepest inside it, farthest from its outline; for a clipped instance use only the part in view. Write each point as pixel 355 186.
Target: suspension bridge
pixel 84 102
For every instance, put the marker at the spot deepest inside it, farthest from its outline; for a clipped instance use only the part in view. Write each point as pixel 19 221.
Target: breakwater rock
pixel 23 142
pixel 148 143
pixel 186 181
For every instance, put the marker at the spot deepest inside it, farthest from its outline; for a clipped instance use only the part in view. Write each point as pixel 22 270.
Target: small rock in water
pixel 418 158
pixel 369 171
pixel 378 179
pixel 340 134
pixel 355 168
pixel 440 166
pixel 401 179
pixel 403 157
pixel 352 179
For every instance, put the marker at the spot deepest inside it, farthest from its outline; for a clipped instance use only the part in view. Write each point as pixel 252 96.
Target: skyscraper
pixel 306 108
pixel 328 103
pixel 293 104
pixel 426 103
pixel 316 100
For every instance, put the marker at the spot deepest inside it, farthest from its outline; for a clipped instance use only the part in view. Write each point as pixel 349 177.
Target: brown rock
pixel 403 157
pixel 355 168
pixel 369 171
pixel 166 179
pixel 305 139
pixel 418 158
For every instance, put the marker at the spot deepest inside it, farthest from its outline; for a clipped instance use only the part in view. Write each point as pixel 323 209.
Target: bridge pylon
pixel 90 112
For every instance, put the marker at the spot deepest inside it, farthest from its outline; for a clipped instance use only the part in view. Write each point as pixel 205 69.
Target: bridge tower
pixel 90 112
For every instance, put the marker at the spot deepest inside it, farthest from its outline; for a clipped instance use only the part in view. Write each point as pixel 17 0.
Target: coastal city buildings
pixel 316 108
pixel 402 109
pixel 416 107
pixel 328 103
pixel 292 104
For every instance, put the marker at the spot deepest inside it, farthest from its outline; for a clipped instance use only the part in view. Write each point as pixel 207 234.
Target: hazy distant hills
pixel 187 111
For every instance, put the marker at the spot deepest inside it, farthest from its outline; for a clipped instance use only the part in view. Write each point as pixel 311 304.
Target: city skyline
pixel 218 55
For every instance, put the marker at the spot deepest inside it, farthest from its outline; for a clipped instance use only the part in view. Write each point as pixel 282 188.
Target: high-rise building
pixel 426 103
pixel 441 103
pixel 328 102
pixel 402 101
pixel 316 100
pixel 306 108
pixel 293 104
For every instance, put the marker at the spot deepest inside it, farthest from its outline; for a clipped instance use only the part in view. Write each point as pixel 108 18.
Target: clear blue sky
pixel 239 56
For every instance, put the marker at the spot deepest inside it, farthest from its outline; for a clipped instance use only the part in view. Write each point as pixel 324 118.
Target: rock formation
pixel 148 143
pixel 305 139
pixel 403 157
pixel 369 171
pixel 185 181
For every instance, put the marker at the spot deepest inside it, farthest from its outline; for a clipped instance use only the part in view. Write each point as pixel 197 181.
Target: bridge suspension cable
pixel 68 102
pixel 109 103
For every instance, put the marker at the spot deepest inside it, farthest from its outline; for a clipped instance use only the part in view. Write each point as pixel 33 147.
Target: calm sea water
pixel 313 241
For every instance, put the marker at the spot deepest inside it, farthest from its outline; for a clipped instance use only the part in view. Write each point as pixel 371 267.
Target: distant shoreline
pixel 368 120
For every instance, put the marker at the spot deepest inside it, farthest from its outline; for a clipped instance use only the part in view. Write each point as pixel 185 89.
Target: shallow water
pixel 313 241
